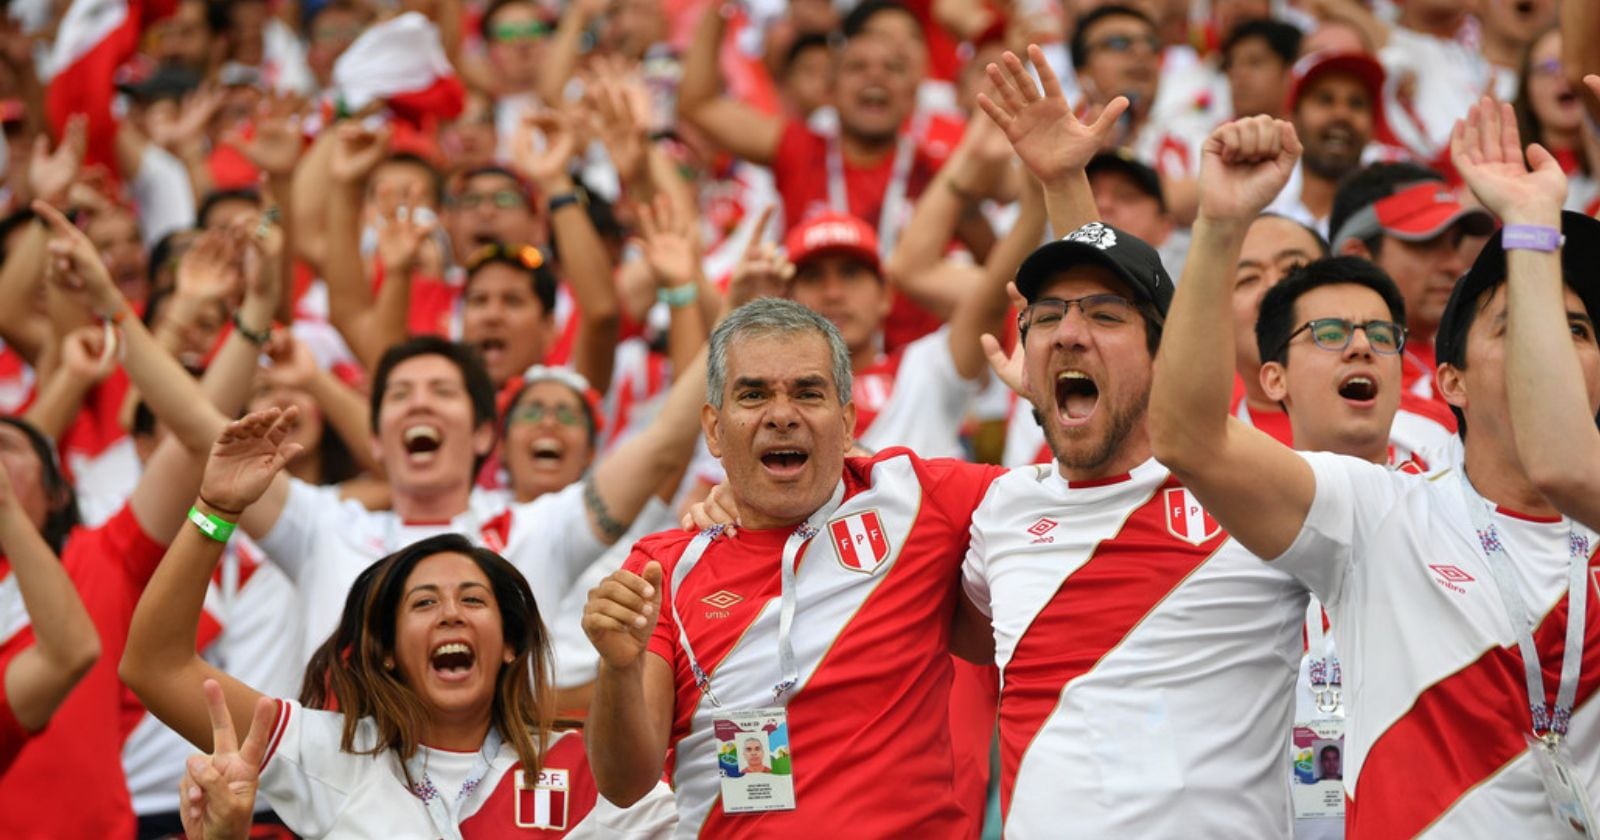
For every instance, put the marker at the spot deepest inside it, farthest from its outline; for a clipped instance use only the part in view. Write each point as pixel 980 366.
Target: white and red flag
pixel 95 37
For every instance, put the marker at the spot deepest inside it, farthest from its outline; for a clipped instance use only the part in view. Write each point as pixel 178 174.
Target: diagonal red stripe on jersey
pixel 1461 731
pixel 1096 607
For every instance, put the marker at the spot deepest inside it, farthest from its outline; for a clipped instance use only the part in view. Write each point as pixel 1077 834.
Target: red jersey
pixel 12 735
pixel 869 718
pixel 800 173
pixel 68 780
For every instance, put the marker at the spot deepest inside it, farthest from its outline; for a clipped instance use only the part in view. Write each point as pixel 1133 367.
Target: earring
pixel 388 663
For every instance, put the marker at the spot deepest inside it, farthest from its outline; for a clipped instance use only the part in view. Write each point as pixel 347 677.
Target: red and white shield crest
pixel 859 541
pixel 1186 519
pixel 544 803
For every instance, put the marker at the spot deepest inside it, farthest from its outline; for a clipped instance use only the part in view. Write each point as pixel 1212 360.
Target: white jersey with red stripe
pixel 869 718
pixel 1147 660
pixel 323 544
pixel 1434 682
pixel 250 628
pixel 914 398
pixel 321 791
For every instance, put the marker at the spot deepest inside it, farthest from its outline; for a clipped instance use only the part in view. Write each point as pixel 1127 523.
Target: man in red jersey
pixel 824 623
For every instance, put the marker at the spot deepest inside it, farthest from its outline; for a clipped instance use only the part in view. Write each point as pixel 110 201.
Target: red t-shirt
pixel 67 781
pixel 12 735
pixel 869 723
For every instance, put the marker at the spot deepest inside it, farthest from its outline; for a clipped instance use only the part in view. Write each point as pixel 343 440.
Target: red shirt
pixel 12 735
pixel 67 781
pixel 870 721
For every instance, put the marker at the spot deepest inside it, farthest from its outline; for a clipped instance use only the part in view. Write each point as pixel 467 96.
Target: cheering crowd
pixel 854 418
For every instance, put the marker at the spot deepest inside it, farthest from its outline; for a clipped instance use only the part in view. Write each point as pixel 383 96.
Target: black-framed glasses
pixel 503 199
pixel 1104 310
pixel 1386 338
pixel 535 412
pixel 1126 43
pixel 526 256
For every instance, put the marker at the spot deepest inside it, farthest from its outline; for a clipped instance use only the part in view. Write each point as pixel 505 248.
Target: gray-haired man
pixel 824 623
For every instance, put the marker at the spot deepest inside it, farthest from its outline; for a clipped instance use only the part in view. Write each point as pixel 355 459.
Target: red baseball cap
pixel 1364 67
pixel 1415 213
pixel 833 233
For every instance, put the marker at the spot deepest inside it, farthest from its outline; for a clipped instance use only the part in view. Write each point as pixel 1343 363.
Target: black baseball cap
pixel 165 82
pixel 1580 255
pixel 1127 256
pixel 1124 163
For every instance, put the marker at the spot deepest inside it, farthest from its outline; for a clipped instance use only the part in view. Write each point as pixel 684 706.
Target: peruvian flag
pixel 543 805
pixel 95 37
pixel 400 62
pixel 860 541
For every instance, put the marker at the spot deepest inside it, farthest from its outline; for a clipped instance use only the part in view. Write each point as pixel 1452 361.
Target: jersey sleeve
pixel 305 776
pixel 652 818
pixel 664 638
pixel 943 395
pixel 293 538
pixel 957 487
pixel 1352 497
pixel 788 158
pixel 551 541
pixel 122 537
pixel 974 568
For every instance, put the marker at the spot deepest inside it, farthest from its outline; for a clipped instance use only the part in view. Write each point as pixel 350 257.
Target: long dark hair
pixel 62 516
pixel 348 670
pixel 1528 124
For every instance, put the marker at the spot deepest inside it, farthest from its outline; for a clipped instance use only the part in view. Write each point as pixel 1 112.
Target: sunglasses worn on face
pixel 533 30
pixel 503 199
pixel 1386 338
pixel 1106 311
pixel 536 412
pixel 1126 43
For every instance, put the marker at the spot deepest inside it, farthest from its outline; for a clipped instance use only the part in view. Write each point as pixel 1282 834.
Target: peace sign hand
pixel 217 794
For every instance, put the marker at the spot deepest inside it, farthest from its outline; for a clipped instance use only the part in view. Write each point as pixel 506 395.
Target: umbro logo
pixel 1450 577
pixel 722 599
pixel 1039 529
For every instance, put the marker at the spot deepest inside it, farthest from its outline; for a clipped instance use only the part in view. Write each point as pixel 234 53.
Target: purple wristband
pixel 1530 238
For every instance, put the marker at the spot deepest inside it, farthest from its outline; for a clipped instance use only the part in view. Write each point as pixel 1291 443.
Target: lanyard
pixel 1324 674
pixel 440 810
pixel 792 547
pixel 894 196
pixel 1549 724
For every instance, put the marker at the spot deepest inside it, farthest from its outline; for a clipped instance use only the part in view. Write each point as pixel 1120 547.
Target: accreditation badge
pixel 753 760
pixel 1563 790
pixel 1317 780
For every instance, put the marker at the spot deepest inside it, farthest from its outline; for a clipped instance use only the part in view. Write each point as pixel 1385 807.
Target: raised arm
pixel 294 366
pixel 585 263
pixel 66 643
pixel 351 306
pixel 630 716
pixel 983 308
pixel 1548 339
pixel 85 360
pixel 564 49
pixel 1052 142
pixel 668 242
pixel 1257 488
pixel 732 125
pixel 160 663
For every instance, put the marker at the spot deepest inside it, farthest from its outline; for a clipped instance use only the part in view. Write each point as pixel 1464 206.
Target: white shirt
pixel 1434 685
pixel 1147 660
pixel 1446 77
pixel 919 398
pixel 322 791
pixel 323 544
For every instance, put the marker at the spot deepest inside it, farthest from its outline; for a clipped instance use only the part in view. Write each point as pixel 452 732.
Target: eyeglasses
pixel 503 199
pixel 529 31
pixel 1386 338
pixel 535 412
pixel 1126 43
pixel 526 256
pixel 1548 67
pixel 1102 311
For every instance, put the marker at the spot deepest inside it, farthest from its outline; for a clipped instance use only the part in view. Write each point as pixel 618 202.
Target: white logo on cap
pixel 1093 233
pixel 830 233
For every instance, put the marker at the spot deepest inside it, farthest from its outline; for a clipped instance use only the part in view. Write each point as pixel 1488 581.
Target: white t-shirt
pixel 1147 660
pixel 1446 77
pixel 323 544
pixel 322 791
pixel 917 399
pixel 1434 685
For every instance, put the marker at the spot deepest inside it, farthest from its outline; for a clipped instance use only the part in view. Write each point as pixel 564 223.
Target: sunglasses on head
pixel 526 256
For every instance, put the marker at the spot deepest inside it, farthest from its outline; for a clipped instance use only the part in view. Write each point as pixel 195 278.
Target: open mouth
pixel 1523 8
pixel 785 462
pixel 452 659
pixel 547 452
pixel 421 442
pixel 1358 388
pixel 1567 98
pixel 1076 396
pixel 491 347
pixel 873 98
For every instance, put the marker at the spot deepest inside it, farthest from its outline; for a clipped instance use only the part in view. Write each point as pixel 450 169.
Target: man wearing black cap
pixel 1446 592
pixel 1120 712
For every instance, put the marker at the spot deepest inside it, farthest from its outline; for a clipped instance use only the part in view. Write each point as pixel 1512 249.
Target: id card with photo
pixel 1317 781
pixel 1568 800
pixel 754 761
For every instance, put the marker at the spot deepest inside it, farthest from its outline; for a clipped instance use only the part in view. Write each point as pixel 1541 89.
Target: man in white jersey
pixel 1418 574
pixel 433 424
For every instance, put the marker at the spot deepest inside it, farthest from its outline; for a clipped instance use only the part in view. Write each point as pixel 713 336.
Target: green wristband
pixel 678 297
pixel 214 527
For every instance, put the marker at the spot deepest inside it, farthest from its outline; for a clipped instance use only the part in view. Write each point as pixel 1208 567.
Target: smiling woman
pixel 438 671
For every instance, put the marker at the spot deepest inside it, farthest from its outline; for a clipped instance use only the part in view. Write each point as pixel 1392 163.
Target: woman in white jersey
pixel 444 721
